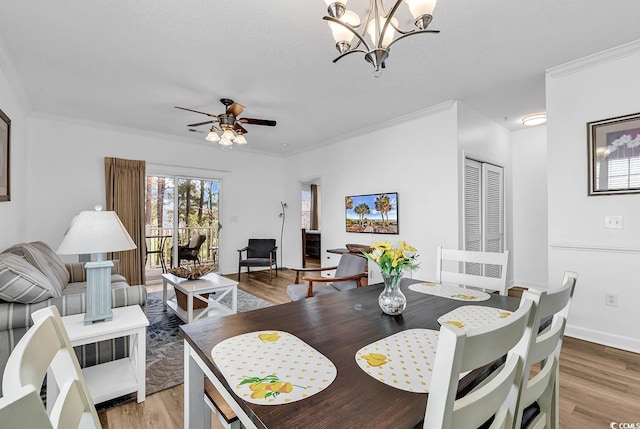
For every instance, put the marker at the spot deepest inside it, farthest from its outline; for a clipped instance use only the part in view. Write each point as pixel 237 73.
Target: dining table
pixel 337 326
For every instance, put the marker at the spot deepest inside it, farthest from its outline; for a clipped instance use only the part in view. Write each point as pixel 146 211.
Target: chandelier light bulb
pixel 388 34
pixel 225 141
pixel 421 7
pixel 341 34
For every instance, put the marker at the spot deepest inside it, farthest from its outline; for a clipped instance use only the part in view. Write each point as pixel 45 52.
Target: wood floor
pixel 598 384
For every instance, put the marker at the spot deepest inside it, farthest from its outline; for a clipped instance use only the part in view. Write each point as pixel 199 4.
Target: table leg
pixel 141 347
pixel 194 406
pixel 234 299
pixel 164 294
pixel 189 307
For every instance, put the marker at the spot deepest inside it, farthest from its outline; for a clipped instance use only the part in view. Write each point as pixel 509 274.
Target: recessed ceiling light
pixel 534 119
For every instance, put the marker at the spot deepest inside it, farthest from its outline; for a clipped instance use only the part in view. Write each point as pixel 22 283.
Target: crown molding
pixel 596 59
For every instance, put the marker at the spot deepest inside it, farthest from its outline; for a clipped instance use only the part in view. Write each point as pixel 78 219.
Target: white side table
pixel 122 376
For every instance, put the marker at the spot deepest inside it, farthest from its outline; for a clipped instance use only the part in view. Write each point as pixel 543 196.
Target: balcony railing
pixel 163 239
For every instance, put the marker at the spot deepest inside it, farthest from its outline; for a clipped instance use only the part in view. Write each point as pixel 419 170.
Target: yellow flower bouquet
pixel 392 262
pixel 393 259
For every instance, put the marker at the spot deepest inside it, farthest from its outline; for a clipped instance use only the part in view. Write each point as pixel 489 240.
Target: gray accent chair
pixel 349 273
pixel 260 252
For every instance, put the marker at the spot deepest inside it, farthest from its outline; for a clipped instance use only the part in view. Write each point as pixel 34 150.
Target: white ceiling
pixel 128 62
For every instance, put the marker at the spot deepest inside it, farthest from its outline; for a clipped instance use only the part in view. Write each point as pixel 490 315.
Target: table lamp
pixel 96 232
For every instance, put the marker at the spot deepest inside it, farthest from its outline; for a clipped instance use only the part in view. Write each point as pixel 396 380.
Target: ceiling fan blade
pixel 196 111
pixel 235 109
pixel 201 123
pixel 237 127
pixel 257 122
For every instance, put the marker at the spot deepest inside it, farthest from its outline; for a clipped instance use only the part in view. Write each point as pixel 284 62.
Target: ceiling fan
pixel 230 131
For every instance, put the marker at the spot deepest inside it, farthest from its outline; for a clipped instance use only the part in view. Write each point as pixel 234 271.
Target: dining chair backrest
pixel 23 409
pixel 460 351
pixel 544 348
pixel 349 265
pixel 485 270
pixel 45 349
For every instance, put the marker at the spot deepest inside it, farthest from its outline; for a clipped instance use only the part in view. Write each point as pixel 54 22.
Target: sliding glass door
pixel 177 210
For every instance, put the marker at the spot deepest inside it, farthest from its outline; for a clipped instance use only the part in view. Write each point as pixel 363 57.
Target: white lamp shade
pixel 421 7
pixel 225 141
pixel 228 134
pixel 341 33
pixel 240 139
pixel 388 35
pixel 95 232
pixel 212 136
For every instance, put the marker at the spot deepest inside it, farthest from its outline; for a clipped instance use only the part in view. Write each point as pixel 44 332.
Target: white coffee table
pixel 115 378
pixel 194 289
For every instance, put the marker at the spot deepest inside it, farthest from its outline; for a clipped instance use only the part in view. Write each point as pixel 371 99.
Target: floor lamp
pixel 96 232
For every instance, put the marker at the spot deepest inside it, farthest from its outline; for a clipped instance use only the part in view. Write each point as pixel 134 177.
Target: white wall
pixel 606 260
pixel 13 225
pixel 66 175
pixel 416 158
pixel 482 139
pixel 530 256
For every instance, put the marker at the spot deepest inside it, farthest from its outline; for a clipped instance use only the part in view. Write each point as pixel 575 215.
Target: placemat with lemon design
pixel 450 291
pixel 473 316
pixel 272 367
pixel 403 360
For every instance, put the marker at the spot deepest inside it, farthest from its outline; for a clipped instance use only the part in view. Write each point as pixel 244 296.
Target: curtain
pixel 314 207
pixel 125 187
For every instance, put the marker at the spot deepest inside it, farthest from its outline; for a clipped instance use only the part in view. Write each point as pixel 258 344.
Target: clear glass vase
pixel 392 301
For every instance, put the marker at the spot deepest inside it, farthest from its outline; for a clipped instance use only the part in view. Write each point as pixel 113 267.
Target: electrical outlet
pixel 614 222
pixel 611 299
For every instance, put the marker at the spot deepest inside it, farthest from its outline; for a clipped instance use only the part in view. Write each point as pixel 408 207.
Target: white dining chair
pixel 23 409
pixel 483 270
pixel 538 405
pixel 45 349
pixel 460 351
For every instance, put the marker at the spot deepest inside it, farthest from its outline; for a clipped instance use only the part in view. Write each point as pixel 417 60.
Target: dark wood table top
pixel 338 325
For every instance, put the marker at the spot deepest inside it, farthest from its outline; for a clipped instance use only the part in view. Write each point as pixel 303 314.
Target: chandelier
pixel 229 133
pixel 378 24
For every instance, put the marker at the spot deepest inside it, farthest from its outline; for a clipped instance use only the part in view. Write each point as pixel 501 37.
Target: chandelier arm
pixel 387 21
pixel 411 34
pixel 348 27
pixel 352 51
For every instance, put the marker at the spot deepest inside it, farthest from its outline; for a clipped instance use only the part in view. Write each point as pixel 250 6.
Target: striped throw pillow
pixel 41 256
pixel 22 282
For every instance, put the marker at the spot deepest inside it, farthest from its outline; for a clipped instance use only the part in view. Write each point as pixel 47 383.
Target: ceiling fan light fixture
pixel 228 134
pixel 534 119
pixel 240 139
pixel 212 136
pixel 225 141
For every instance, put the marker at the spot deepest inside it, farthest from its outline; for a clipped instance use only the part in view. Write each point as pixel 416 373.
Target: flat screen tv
pixel 372 213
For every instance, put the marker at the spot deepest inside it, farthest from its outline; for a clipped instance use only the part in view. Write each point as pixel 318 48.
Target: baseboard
pixel 604 338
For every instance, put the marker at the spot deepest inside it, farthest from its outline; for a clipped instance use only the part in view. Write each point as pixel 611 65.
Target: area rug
pixel 164 344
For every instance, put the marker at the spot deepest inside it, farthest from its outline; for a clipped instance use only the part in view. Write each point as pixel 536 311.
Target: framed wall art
pixel 372 213
pixel 614 155
pixel 5 141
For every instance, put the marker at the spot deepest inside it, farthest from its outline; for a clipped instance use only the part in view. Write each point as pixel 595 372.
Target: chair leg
pixel 239 268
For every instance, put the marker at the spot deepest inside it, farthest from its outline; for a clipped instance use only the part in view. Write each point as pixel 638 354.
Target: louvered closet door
pixel 483 213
